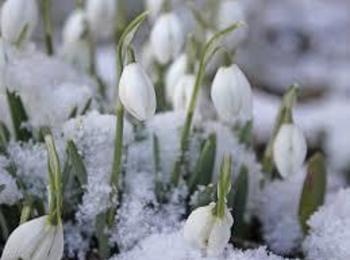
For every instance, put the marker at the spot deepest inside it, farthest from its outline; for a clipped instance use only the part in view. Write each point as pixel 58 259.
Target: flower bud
pixel 167 38
pixel 136 92
pixel 154 7
pixel 203 230
pixel 18 20
pixel 183 92
pixel 75 45
pixel 35 240
pixel 289 150
pixel 176 70
pixel 231 94
pixel 101 17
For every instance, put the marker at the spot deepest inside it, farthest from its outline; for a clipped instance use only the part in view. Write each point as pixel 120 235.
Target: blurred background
pixel 285 41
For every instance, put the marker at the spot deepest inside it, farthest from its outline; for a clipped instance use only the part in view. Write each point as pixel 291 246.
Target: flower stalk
pixel 209 50
pixel 121 51
pixel 55 183
pixel 46 16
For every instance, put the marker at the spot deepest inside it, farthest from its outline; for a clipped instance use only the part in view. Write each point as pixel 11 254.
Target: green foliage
pixel 205 165
pixel 314 189
pixel 19 116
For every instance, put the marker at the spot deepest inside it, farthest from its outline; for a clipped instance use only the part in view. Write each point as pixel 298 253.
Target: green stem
pixel 79 3
pixel 46 16
pixel 55 182
pixel 224 186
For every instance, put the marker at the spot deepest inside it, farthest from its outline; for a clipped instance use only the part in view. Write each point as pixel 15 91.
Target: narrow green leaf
pixel 160 189
pixel 55 182
pixel 2 187
pixel 223 186
pixel 18 115
pixel 77 163
pixel 4 137
pixel 22 36
pixel 240 200
pixel 314 189
pixel 205 165
pixel 73 112
pixel 86 107
pixel 245 134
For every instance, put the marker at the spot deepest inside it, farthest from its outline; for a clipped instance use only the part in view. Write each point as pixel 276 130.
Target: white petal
pixel 137 93
pixel 198 226
pixel 52 245
pixel 176 70
pixel 15 15
pixel 289 150
pixel 74 27
pixel 220 234
pixel 23 239
pixel 183 92
pixel 231 93
pixel 167 38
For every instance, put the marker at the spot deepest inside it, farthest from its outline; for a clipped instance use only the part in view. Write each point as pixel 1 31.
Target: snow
pixel 278 211
pixel 329 234
pixel 46 82
pixel 11 194
pixel 94 136
pixel 172 246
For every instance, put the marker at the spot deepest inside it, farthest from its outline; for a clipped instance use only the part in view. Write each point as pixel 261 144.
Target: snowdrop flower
pixel 75 45
pixel 183 92
pixel 231 94
pixel 35 240
pixel 101 16
pixel 203 230
pixel 167 37
pixel 136 92
pixel 231 12
pixel 154 6
pixel 176 70
pixel 289 150
pixel 18 20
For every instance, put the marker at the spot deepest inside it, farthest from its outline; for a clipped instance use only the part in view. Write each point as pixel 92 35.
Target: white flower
pixel 289 150
pixel 207 232
pixel 167 38
pixel 18 19
pixel 176 70
pixel 183 92
pixel 231 94
pixel 75 45
pixel 154 6
pixel 136 92
pixel 231 12
pixel 35 240
pixel 101 16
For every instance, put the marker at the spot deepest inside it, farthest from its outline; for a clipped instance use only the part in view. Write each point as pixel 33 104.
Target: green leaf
pixel 2 187
pixel 55 182
pixel 76 162
pixel 73 113
pixel 314 189
pixel 4 137
pixel 22 36
pixel 18 115
pixel 205 165
pixel 246 134
pixel 224 186
pixel 86 107
pixel 240 196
